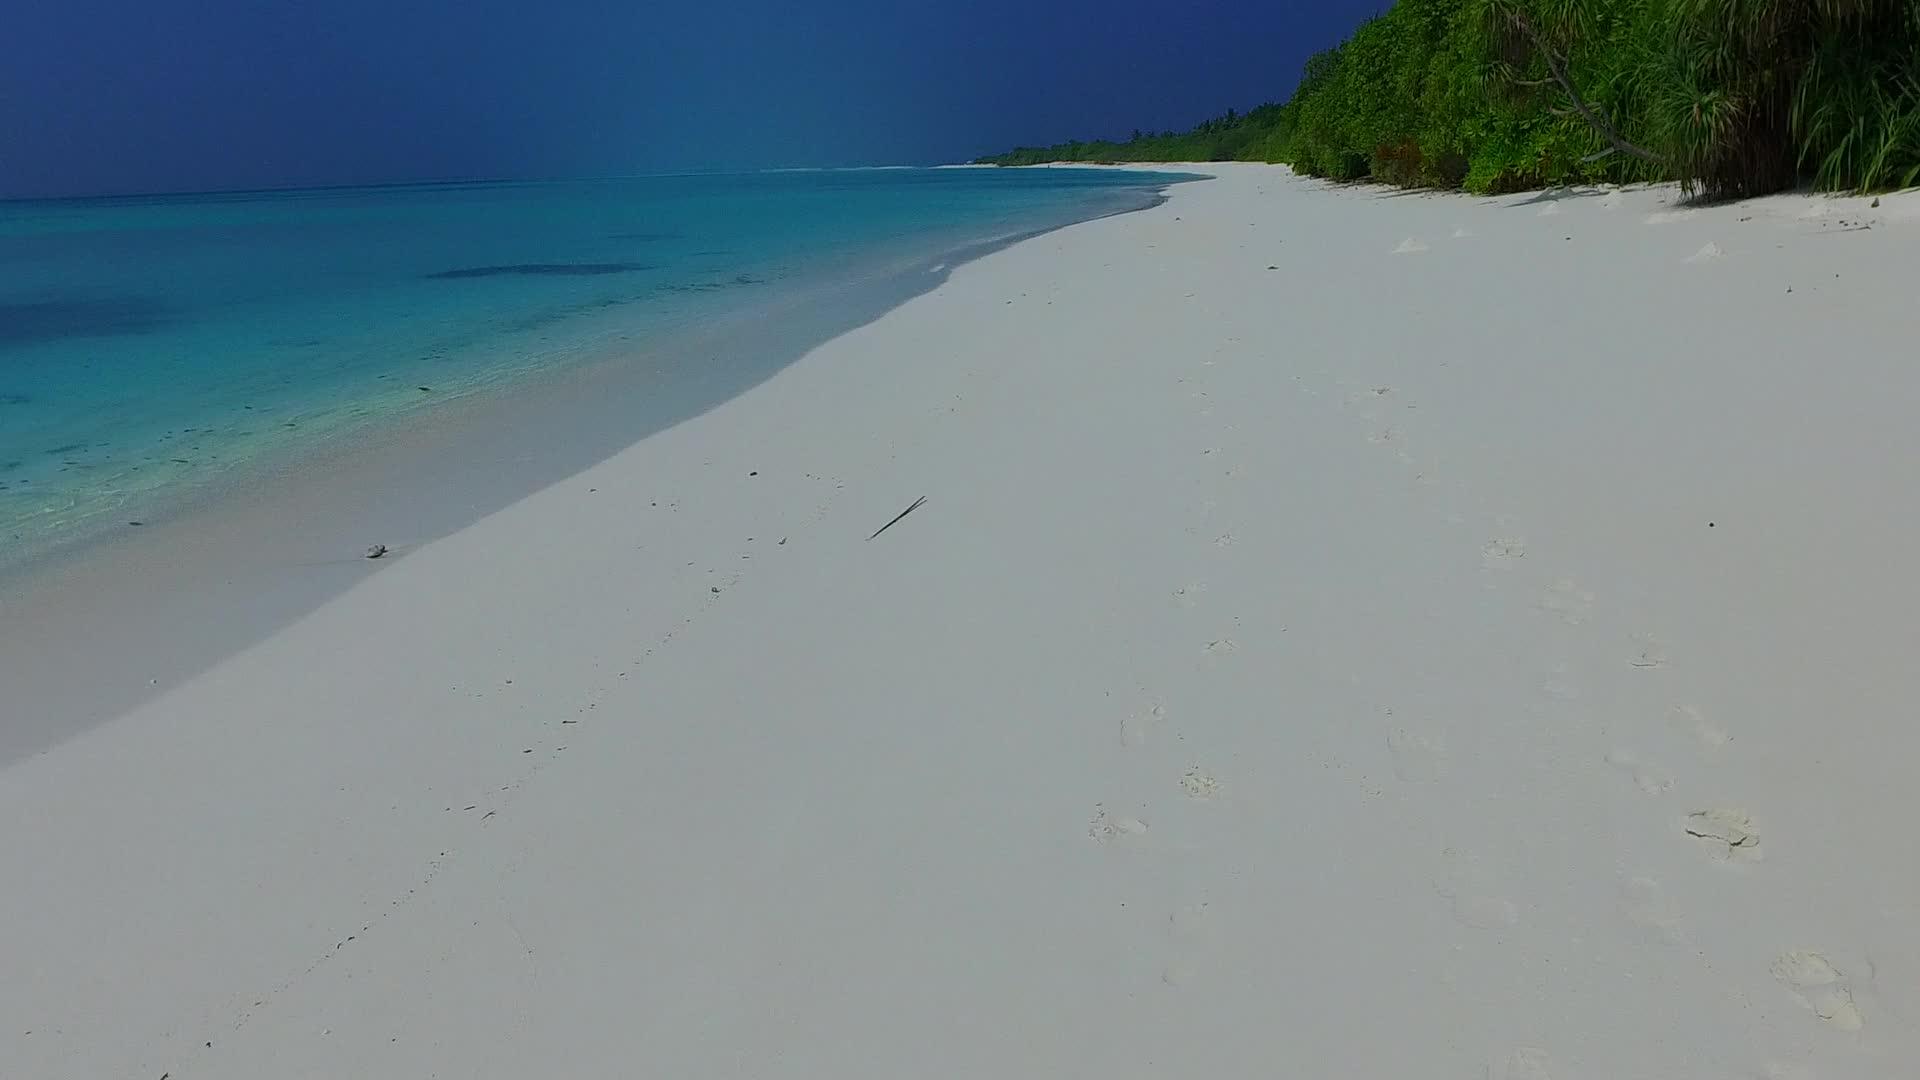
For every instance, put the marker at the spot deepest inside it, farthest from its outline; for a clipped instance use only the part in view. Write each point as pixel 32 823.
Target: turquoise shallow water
pixel 150 347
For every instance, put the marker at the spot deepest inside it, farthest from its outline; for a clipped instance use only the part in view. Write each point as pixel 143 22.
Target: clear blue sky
pixel 161 95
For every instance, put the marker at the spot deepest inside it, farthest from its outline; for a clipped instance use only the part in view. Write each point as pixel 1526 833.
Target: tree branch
pixel 1558 69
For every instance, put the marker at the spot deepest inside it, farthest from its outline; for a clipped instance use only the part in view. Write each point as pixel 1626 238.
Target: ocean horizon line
pixel 455 182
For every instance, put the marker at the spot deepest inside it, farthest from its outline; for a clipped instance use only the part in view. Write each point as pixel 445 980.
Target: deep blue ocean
pixel 150 347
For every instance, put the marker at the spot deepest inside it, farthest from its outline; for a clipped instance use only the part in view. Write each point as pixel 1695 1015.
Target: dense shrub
pixel 1729 97
pixel 1258 136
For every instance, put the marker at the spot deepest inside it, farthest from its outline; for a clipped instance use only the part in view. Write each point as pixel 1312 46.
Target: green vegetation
pixel 1728 97
pixel 1232 137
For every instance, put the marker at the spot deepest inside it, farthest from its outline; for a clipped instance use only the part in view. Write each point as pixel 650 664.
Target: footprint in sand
pixel 1525 1063
pixel 1417 759
pixel 1135 729
pixel 1461 232
pixel 1707 253
pixel 1728 835
pixel 1199 785
pixel 1220 647
pixel 1464 882
pixel 1820 986
pixel 1552 209
pixel 1560 684
pixel 1647 906
pixel 1709 735
pixel 1502 553
pixel 1611 201
pixel 1410 246
pixel 1180 970
pixel 1189 595
pixel 1649 652
pixel 1567 600
pixel 1190 927
pixel 1647 776
pixel 1106 828
pixel 1366 398
pixel 1190 922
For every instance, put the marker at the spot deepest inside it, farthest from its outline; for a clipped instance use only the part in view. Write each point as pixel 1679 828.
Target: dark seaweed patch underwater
pixel 76 317
pixel 539 270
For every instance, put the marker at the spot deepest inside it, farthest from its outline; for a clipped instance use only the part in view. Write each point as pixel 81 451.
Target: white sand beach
pixel 1347 633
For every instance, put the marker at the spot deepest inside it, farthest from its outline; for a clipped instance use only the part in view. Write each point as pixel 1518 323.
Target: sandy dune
pixel 1347 634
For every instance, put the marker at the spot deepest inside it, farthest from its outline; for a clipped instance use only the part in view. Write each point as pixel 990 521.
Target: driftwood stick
pixel 898 516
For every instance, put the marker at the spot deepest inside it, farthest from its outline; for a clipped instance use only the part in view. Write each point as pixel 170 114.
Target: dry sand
pixel 1347 635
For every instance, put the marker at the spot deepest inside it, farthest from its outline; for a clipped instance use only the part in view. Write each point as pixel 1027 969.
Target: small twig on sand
pixel 898 516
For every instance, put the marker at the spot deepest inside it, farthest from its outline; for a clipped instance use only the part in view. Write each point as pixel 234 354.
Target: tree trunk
pixel 1557 68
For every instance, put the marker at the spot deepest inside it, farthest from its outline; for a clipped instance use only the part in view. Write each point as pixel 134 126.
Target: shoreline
pixel 519 357
pixel 1484 620
pixel 223 565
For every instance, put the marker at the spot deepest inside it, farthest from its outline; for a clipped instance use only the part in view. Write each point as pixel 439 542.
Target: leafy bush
pixel 1729 97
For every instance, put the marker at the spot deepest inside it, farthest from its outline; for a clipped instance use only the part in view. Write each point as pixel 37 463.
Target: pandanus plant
pixel 1733 97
